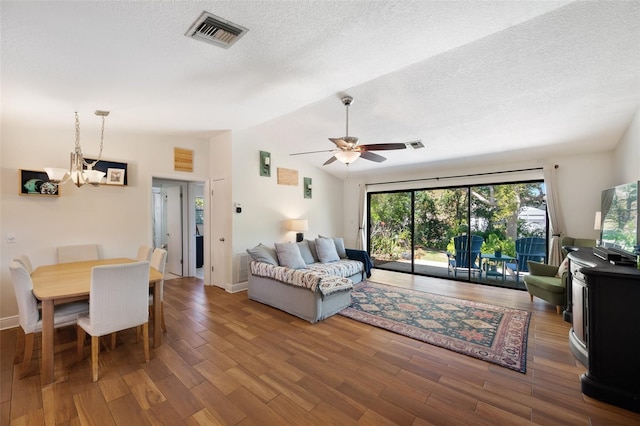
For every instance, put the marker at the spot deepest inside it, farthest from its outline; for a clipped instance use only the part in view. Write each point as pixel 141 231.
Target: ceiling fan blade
pixel 330 160
pixel 340 142
pixel 312 152
pixel 382 146
pixel 368 155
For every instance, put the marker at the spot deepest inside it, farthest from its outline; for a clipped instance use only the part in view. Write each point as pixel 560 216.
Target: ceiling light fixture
pixel 347 157
pixel 77 172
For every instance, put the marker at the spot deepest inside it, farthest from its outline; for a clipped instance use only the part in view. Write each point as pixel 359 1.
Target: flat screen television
pixel 620 216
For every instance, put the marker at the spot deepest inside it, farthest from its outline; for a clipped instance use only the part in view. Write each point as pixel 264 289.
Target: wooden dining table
pixel 68 282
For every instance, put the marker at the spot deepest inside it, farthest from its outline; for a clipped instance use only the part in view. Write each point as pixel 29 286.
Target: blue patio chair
pixel 528 248
pixel 467 254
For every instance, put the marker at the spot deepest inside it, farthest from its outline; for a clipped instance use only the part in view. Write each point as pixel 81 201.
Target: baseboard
pixel 9 322
pixel 235 288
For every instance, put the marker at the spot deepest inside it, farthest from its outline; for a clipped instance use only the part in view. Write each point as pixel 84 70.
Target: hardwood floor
pixel 228 360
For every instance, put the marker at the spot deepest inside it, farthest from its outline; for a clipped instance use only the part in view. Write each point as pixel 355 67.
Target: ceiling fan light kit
pixel 347 149
pixel 347 157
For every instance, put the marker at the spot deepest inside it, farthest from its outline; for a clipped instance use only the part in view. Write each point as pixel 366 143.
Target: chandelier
pixel 77 173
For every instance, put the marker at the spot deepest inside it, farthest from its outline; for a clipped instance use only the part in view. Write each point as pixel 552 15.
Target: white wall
pixel 627 154
pixel 267 205
pixel 117 218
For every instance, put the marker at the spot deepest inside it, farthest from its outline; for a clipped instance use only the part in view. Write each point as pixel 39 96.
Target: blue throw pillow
pixel 326 250
pixel 305 251
pixel 262 253
pixel 289 256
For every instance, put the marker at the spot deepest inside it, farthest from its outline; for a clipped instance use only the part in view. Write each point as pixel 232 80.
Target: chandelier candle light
pixel 77 173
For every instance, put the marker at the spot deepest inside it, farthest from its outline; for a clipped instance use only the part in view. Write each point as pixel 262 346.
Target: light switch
pixel 11 237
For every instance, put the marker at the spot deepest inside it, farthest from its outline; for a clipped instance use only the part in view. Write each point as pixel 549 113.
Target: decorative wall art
pixel 115 176
pixel 287 177
pixel 34 182
pixel 105 165
pixel 307 187
pixel 183 160
pixel 265 164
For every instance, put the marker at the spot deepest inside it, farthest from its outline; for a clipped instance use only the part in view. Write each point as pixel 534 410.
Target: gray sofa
pixel 310 287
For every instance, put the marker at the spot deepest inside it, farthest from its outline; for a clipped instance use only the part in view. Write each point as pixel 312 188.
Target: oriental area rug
pixel 491 333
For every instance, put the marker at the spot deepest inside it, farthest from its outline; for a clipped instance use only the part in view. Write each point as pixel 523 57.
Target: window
pixel 414 230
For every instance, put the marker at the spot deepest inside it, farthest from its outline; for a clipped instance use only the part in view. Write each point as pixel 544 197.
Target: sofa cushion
pixel 563 267
pixel 326 250
pixel 314 251
pixel 289 256
pixel 305 251
pixel 339 243
pixel 549 284
pixel 262 253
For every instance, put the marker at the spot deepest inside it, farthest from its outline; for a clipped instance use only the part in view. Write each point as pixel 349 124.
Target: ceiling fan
pixel 347 149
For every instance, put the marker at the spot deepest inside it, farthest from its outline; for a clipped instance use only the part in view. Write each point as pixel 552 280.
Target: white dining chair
pixel 118 300
pixel 29 315
pixel 78 253
pixel 144 253
pixel 24 260
pixel 158 262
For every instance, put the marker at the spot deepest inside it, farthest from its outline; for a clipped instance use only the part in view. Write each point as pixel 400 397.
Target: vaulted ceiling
pixel 467 78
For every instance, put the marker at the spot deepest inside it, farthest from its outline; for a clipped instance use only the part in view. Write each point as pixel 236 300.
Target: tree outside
pixel 492 211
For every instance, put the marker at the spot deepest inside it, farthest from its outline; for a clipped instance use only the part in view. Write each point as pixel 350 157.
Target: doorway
pixel 178 226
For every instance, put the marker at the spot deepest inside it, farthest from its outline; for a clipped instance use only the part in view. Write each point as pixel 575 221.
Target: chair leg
pixel 28 352
pixel 95 349
pixel 113 340
pixel 162 324
pixel 531 297
pixel 558 309
pixel 145 337
pixel 80 344
pixel 19 346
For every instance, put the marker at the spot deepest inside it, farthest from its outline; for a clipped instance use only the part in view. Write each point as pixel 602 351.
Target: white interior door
pixel 173 204
pixel 218 232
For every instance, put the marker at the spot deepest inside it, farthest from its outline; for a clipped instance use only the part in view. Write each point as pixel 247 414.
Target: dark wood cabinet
pixel 605 335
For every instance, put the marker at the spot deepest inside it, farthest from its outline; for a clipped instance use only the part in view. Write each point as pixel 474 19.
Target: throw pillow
pixel 562 268
pixel 339 242
pixel 262 253
pixel 314 251
pixel 305 251
pixel 326 250
pixel 289 256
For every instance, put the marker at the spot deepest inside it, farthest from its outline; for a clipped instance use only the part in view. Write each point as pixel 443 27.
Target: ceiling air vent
pixel 416 144
pixel 215 30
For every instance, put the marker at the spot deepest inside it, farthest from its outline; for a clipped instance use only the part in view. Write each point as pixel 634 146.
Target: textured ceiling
pixel 467 78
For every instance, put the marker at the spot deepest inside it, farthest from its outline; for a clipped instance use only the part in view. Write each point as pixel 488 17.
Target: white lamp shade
pixel 299 225
pixel 78 178
pixel 56 175
pixel 347 157
pixel 94 176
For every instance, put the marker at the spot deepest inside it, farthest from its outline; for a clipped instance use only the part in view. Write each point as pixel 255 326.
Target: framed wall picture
pixel 115 176
pixel 287 177
pixel 307 187
pixel 105 165
pixel 35 182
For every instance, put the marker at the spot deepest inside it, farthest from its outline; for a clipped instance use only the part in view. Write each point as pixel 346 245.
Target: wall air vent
pixel 416 144
pixel 215 30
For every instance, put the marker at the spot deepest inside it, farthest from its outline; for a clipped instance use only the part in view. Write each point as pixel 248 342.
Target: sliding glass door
pixel 466 233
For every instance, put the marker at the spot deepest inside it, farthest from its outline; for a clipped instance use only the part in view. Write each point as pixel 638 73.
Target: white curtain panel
pixel 555 214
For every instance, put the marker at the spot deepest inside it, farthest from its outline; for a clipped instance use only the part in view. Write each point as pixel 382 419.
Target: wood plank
pixel 92 407
pixel 337 371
